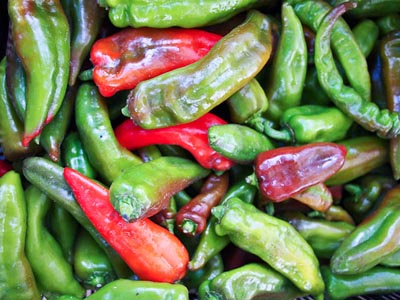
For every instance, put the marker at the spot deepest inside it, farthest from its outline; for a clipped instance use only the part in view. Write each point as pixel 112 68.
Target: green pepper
pixel 56 276
pixel 392 260
pixel 311 123
pixel 312 92
pixel 388 23
pixel 16 277
pixel 250 281
pixel 371 8
pixel 366 33
pixel 283 248
pixel 187 93
pixel 375 238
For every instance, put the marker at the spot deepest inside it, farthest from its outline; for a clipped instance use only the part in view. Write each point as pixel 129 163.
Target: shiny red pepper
pixel 151 251
pixel 4 167
pixel 132 55
pixel 192 136
pixel 285 171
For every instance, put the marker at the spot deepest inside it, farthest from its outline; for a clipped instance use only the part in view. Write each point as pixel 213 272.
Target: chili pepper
pixel 56 277
pixel 5 167
pixel 192 218
pixel 185 94
pixel 192 136
pixel 85 18
pixel 338 213
pixel 11 127
pixel 312 92
pixel 250 281
pixel 364 154
pixel 49 178
pixel 135 198
pixel 284 249
pixel 239 143
pixel 317 197
pixel 94 126
pixel 132 55
pixel 344 45
pixel 290 59
pixel 373 239
pixel 388 23
pixel 122 289
pixel 285 171
pixel 378 280
pixel 151 251
pixel 323 236
pixel 366 114
pixel 182 14
pixel 366 33
pixel 310 123
pixel 91 264
pixel 63 226
pixel 16 276
pixel 41 34
pixel 371 8
pixel 390 55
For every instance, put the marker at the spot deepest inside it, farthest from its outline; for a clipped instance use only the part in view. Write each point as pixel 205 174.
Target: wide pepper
pixel 283 248
pixel 187 93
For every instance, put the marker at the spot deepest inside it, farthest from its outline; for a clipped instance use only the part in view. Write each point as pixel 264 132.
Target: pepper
pixel 239 143
pixel 94 126
pixel 312 92
pixel 192 217
pixel 135 198
pixel 374 238
pixel 364 154
pixel 310 123
pixel 388 23
pixel 91 264
pixel 122 289
pixel 285 171
pixel 16 277
pixel 390 54
pixel 367 114
pixel 366 33
pixel 40 33
pixel 250 281
pixel 151 251
pixel 290 60
pixel 5 167
pixel 318 197
pixel 283 248
pixel 187 93
pixel 371 8
pixel 187 14
pixel 132 55
pixel 56 277
pixel 378 280
pixel 192 136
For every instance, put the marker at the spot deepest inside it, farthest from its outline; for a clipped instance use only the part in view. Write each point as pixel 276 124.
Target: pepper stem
pixel 218 211
pixel 281 135
pixel 188 227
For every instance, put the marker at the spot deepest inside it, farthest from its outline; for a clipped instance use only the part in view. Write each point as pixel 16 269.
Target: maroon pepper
pixel 4 167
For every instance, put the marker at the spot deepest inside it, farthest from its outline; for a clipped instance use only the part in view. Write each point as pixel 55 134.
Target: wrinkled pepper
pixel 185 94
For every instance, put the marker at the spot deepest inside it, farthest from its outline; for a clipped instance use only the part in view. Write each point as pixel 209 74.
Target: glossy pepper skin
pixel 132 55
pixel 250 281
pixel 284 249
pixel 135 198
pixel 158 14
pixel 374 238
pixel 122 289
pixel 40 33
pixel 311 123
pixel 285 171
pixel 366 33
pixel 187 93
pixel 151 251
pixel 371 8
pixel 192 136
pixel 16 275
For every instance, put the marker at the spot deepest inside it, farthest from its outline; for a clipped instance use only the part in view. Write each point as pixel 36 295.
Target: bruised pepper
pixel 187 93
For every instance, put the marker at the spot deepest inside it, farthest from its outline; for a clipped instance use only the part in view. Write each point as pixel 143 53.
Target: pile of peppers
pixel 202 150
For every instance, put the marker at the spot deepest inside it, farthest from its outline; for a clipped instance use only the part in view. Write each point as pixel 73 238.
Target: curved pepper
pixel 192 136
pixel 135 198
pixel 151 251
pixel 283 248
pixel 132 55
pixel 285 171
pixel 185 94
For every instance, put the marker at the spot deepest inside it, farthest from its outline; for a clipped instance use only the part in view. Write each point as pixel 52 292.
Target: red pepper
pixel 4 167
pixel 151 251
pixel 285 171
pixel 132 55
pixel 192 136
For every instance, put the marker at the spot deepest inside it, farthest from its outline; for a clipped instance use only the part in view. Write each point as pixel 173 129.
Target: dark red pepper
pixel 4 167
pixel 132 55
pixel 285 171
pixel 151 251
pixel 192 136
